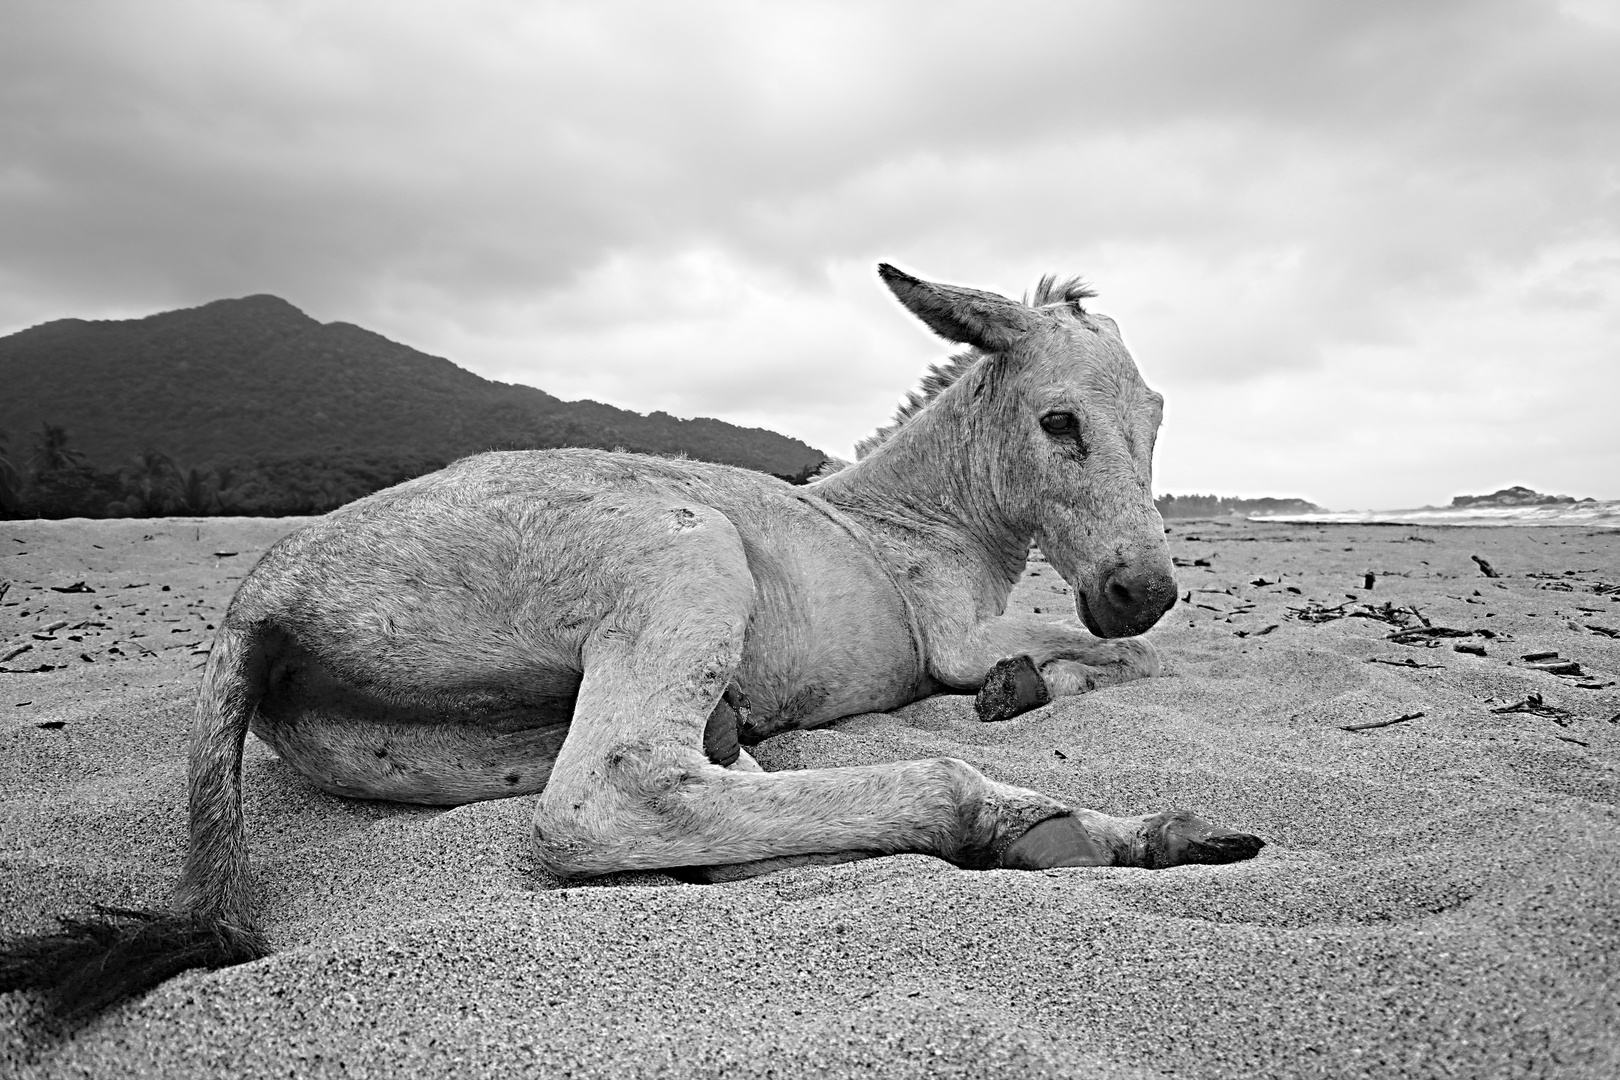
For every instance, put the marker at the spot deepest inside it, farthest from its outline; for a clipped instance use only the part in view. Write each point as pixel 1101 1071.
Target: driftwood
pixel 1316 612
pixel 1381 723
pixel 1428 637
pixel 1485 567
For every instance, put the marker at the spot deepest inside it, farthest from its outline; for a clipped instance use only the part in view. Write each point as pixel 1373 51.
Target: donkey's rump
pixel 427 645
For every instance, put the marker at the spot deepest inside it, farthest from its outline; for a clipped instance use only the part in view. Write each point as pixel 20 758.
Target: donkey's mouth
pixel 1084 608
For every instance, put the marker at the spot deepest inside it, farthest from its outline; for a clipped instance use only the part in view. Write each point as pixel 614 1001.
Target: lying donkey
pixel 609 631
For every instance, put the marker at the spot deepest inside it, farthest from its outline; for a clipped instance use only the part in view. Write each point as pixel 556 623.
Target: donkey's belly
pixel 441 746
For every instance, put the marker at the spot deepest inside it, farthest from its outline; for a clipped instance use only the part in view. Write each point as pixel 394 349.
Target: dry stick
pixel 1381 723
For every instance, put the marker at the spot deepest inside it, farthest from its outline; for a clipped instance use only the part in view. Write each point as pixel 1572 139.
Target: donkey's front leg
pixel 634 787
pixel 1020 662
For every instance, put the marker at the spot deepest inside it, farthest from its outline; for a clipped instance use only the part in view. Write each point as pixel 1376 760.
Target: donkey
pixel 610 631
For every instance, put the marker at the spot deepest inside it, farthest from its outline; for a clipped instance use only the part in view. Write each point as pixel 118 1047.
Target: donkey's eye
pixel 1060 423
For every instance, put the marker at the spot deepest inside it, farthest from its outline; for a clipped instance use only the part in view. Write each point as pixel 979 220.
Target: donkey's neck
pixel 929 488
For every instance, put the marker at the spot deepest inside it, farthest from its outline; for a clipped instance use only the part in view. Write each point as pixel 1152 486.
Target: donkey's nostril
pixel 1119 591
pixel 1137 597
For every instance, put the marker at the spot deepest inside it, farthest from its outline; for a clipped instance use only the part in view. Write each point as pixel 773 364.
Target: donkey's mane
pixel 1048 292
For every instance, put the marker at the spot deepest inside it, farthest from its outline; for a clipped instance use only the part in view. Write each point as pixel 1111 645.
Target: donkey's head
pixel 1060 438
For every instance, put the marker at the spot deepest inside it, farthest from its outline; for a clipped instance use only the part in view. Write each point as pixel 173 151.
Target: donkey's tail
pixel 92 963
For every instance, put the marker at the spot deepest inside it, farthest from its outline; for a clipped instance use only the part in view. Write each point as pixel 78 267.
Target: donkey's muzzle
pixel 1130 600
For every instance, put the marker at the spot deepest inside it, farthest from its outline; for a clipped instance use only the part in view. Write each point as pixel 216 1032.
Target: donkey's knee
pixel 621 815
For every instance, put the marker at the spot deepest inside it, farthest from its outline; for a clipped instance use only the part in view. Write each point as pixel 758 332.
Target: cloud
pixel 679 206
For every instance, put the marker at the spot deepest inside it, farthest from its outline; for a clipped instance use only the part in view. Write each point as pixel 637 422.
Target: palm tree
pixel 151 486
pixel 198 494
pixel 50 450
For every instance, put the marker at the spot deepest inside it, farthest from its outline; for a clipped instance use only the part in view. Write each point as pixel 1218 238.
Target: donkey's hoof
pixel 1176 838
pixel 1012 687
pixel 1058 841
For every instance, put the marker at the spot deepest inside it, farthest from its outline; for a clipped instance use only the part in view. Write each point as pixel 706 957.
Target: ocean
pixel 1603 514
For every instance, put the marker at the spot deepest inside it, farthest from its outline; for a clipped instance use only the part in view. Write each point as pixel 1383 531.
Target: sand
pixel 1439 897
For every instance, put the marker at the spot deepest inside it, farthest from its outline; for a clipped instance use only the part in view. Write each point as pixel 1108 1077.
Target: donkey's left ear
pixel 969 316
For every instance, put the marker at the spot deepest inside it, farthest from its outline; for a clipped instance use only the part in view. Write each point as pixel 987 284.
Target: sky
pixel 1369 251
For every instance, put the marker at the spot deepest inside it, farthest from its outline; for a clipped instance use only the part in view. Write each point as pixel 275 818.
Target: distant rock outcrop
pixel 1514 496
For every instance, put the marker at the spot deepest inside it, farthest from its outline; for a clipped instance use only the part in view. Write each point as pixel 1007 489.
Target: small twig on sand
pixel 1404 662
pixel 1566 738
pixel 1535 705
pixel 1485 567
pixel 1381 723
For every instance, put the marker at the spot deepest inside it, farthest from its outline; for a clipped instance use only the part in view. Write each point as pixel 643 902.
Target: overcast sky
pixel 1370 252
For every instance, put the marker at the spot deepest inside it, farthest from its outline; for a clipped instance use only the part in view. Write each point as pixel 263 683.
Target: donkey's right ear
pixel 969 316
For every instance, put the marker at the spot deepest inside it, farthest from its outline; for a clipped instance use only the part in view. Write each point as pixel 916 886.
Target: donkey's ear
pixel 969 316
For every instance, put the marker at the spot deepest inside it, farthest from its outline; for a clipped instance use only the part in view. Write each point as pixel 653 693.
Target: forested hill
pixel 241 381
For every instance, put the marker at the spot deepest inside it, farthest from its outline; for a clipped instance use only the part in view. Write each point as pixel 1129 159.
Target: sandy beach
pixel 1440 894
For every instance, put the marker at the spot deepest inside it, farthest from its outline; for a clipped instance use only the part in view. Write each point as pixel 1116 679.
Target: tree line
pixel 51 479
pixel 1184 506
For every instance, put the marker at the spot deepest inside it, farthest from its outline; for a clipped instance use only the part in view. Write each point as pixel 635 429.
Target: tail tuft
pixel 91 964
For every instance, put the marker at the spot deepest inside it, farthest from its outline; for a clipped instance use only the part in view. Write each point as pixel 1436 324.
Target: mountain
pixel 255 379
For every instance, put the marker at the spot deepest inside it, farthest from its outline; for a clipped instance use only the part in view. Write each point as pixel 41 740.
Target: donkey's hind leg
pixel 1150 842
